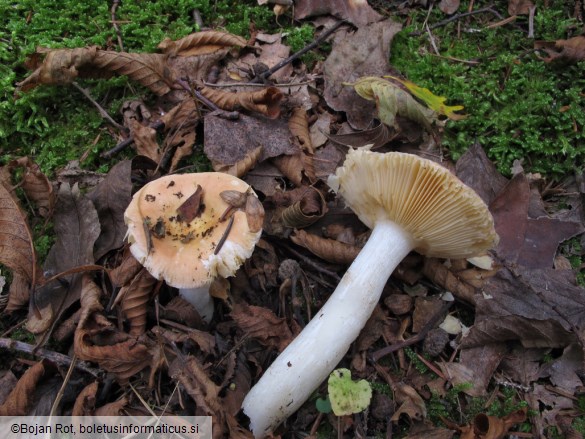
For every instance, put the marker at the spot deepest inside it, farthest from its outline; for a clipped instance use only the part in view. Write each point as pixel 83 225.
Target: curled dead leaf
pixel 327 249
pixel 254 213
pixel 58 67
pixel 113 408
pixel 16 247
pixel 262 324
pixel 181 311
pixel 18 294
pixel 89 299
pixel 241 168
pixel 36 185
pixel 85 401
pixel 264 101
pixel 377 137
pixel 19 401
pixel 200 43
pixel 133 299
pixel 116 352
pixel 123 273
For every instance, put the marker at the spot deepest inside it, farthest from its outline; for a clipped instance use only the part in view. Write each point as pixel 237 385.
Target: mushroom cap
pixel 444 217
pixel 180 252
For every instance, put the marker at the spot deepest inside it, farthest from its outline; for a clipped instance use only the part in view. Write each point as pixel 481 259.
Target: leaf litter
pixel 117 317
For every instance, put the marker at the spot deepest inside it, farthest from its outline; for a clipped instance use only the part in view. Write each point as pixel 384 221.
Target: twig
pixel 113 9
pixel 103 112
pixel 531 12
pixel 458 17
pixel 55 357
pixel 415 338
pixel 255 84
pixel 313 263
pixel 62 389
pixel 265 75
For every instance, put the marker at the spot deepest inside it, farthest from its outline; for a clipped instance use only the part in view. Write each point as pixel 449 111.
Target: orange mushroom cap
pixel 181 251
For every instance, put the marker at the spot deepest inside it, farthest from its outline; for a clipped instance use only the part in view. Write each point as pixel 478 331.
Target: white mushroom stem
pixel 316 351
pixel 200 299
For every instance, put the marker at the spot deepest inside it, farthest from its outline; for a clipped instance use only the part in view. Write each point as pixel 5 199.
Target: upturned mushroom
pixel 182 230
pixel 410 203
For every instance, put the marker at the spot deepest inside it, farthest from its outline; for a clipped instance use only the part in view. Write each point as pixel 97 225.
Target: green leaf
pixel 348 396
pixel 323 405
pixel 391 100
pixel 434 102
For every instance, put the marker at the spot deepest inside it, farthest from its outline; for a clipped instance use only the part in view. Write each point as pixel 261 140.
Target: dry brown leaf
pixel 266 101
pixel 191 374
pixel 124 357
pixel 519 7
pixel 436 271
pixel 16 248
pixel 305 211
pixel 18 294
pixel 133 299
pixel 563 52
pixel 180 123
pixel 411 403
pixel 113 408
pixel 59 67
pixel 241 167
pixel 85 401
pixel 123 273
pixel 181 311
pixel 327 249
pixel 145 141
pixel 200 43
pixel 148 69
pixel 291 167
pixel 19 401
pixel 110 198
pixel 89 299
pixel 358 12
pixel 492 427
pixel 254 213
pixel 377 137
pixel 36 185
pixel 262 324
pixel 299 127
pixel 449 6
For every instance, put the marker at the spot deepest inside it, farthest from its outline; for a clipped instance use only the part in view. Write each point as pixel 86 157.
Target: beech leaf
pixel 16 247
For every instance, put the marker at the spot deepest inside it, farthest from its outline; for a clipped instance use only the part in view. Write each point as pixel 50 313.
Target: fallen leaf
pixel 492 427
pixel 200 43
pixel 528 242
pixel 115 352
pixel 20 400
pixel 435 103
pixel 115 408
pixel 36 185
pixel 265 102
pixel 377 137
pixel 519 7
pixel 478 172
pixel 85 401
pixel 563 52
pixel 262 324
pixel 16 245
pixel 347 396
pixel 411 403
pixel 563 371
pixel 110 198
pixel 133 300
pixel 357 12
pixel 449 6
pixel 145 140
pixel 242 167
pixel 355 54
pixel 228 141
pixel 181 311
pixel 392 101
pixel 329 250
pixel 89 300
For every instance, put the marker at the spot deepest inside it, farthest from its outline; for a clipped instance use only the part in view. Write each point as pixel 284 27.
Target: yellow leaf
pixel 434 102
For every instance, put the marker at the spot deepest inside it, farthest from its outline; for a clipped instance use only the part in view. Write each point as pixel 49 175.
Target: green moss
pixel 57 124
pixel 519 107
pixel 299 37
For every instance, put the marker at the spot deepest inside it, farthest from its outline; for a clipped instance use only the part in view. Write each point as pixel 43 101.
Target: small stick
pixel 55 357
pixel 531 12
pixel 103 112
pixel 265 75
pixel 115 4
pixel 224 236
pixel 458 17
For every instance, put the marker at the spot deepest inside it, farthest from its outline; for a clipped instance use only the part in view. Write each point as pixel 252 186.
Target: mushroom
pixel 410 203
pixel 183 231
